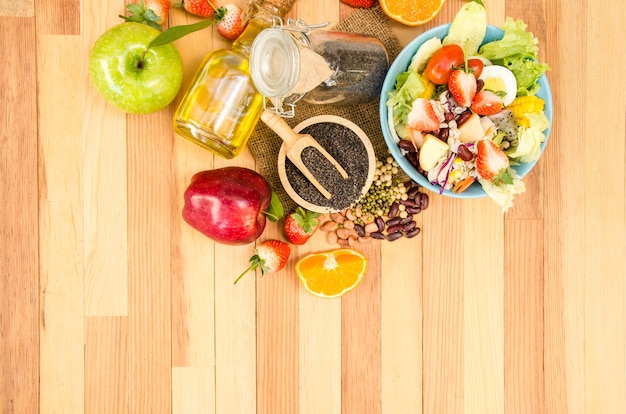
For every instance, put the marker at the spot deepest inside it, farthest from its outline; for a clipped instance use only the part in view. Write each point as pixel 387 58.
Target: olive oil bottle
pixel 221 107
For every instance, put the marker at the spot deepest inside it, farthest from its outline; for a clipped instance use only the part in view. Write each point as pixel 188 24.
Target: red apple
pixel 228 204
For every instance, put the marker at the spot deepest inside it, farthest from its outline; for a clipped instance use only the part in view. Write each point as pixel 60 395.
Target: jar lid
pixel 274 62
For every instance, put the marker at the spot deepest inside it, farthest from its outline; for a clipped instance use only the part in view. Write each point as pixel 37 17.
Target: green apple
pixel 132 76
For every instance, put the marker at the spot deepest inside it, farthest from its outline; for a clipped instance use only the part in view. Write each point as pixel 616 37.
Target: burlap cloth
pixel 265 144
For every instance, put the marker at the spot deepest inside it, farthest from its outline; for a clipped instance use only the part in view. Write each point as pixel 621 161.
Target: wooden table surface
pixel 110 303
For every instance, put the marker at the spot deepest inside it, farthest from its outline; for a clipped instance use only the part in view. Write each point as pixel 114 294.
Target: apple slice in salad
pixel 510 71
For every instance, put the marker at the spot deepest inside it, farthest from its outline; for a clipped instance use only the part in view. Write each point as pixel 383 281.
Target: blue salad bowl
pixel 399 65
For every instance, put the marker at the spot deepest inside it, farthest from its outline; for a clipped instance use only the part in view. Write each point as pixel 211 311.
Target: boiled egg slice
pixel 501 81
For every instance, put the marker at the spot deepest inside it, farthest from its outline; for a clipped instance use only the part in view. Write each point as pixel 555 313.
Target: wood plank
pixel 58 17
pixel 235 321
pixel 402 323
pixel 483 306
pixel 62 329
pixel 523 310
pixel 361 340
pixel 149 186
pixel 564 280
pixel 104 182
pixel 319 340
pixel 605 241
pixel 277 334
pixel 106 365
pixel 193 390
pixel 443 316
pixel 529 204
pixel 19 256
pixel 193 279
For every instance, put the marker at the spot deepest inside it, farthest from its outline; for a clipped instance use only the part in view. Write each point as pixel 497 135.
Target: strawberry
pixel 200 8
pixel 487 102
pixel 300 225
pixel 230 24
pixel 270 256
pixel 365 4
pixel 151 12
pixel 462 86
pixel 422 116
pixel 492 163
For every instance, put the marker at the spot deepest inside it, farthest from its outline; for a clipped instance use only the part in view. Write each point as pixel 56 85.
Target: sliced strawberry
pixel 270 257
pixel 422 116
pixel 487 103
pixel 462 86
pixel 491 162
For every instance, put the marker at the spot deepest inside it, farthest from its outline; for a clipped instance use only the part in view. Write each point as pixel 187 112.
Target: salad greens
pixel 518 51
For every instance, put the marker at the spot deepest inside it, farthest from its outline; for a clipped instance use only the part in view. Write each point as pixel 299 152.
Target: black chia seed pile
pixel 347 148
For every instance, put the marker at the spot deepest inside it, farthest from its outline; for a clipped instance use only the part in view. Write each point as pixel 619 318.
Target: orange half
pixel 412 12
pixel 333 273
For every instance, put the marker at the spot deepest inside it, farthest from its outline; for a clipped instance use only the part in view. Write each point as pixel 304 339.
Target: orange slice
pixel 411 12
pixel 333 273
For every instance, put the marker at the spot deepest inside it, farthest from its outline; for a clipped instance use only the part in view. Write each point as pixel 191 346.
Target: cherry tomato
pixel 476 66
pixel 443 62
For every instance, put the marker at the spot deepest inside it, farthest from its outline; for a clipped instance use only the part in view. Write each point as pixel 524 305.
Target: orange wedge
pixel 411 12
pixel 333 273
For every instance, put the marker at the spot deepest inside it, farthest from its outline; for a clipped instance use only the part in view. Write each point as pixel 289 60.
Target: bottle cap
pixel 274 62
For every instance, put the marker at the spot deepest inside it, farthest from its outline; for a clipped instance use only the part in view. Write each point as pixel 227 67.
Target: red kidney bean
pixel 462 118
pixel 413 210
pixel 409 202
pixel 393 210
pixel 394 236
pixel 405 220
pixel 409 226
pixel 424 201
pixel 413 233
pixel 412 158
pixel 394 229
pixel 393 221
pixel 465 153
pixel 377 235
pixel 407 145
pixel 479 84
pixel 360 230
pixel 380 223
pixel 443 134
pixel 413 192
pixel 449 116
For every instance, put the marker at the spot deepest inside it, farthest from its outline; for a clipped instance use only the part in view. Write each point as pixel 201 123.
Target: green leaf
pixel 275 211
pixel 176 32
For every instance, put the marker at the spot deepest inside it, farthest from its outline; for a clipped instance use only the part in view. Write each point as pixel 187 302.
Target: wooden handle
pixel 280 126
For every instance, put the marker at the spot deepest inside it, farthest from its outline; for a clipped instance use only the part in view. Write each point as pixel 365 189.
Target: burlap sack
pixel 265 144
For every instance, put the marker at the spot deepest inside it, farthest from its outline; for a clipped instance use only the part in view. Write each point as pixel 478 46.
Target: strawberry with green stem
pixel 151 12
pixel 270 256
pixel 230 23
pixel 462 84
pixel 300 225
pixel 200 8
pixel 492 163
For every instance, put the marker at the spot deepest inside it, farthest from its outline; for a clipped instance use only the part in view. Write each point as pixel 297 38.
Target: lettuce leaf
pixel 530 139
pixel 518 51
pixel 409 86
pixel 503 194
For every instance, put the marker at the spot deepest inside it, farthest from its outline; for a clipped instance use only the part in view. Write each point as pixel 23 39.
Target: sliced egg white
pixel 501 81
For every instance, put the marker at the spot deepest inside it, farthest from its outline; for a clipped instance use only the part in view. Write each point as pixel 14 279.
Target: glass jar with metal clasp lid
pixel 293 61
